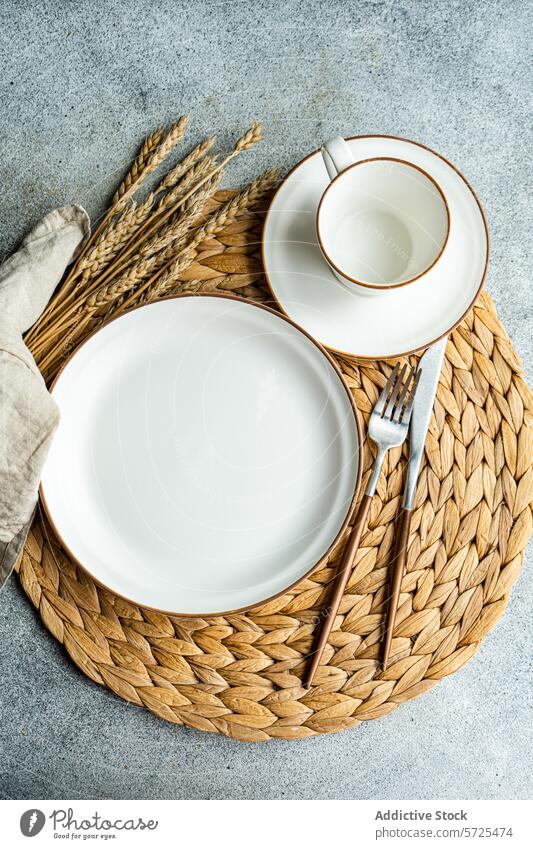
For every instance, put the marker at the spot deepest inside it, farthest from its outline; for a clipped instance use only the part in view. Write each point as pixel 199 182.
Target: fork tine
pixel 406 413
pixel 380 404
pixel 394 394
pixel 396 412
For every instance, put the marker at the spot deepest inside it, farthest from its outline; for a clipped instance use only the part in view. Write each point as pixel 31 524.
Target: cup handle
pixel 337 156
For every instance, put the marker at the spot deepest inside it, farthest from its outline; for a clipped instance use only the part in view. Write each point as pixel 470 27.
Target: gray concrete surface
pixel 81 84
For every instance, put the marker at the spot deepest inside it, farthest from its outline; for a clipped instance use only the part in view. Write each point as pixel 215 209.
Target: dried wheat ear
pixel 143 248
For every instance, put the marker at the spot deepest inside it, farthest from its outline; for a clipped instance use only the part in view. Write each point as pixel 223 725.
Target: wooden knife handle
pixel 341 580
pixel 398 564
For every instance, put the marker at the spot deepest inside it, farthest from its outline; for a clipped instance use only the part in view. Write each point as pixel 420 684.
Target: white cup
pixel 381 223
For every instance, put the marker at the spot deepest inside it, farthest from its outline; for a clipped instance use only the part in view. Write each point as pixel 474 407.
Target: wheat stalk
pixel 154 151
pixel 140 249
pixel 153 160
pixel 245 142
pixel 158 154
pixel 251 137
pixel 228 213
pixel 137 170
pixel 194 175
pixel 154 222
pixel 216 222
pixel 152 256
pixel 150 259
pixel 178 226
pixel 171 178
pixel 118 232
pixel 165 282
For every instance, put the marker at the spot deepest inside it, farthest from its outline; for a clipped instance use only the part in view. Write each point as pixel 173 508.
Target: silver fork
pixel 389 422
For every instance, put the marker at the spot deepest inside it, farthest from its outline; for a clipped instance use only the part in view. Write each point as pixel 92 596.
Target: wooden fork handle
pixel 398 566
pixel 340 583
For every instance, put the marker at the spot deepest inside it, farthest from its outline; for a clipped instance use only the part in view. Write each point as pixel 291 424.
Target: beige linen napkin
pixel 28 414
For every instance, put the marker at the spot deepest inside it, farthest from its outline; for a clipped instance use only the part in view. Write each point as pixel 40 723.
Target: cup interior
pixel 382 222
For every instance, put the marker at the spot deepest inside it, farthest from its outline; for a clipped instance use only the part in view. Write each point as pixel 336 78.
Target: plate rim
pixel 357 483
pixel 385 357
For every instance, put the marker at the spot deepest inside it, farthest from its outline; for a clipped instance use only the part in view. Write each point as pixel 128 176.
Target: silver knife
pixel 430 367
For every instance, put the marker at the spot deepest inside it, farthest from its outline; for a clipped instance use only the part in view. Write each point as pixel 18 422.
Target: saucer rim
pixel 424 346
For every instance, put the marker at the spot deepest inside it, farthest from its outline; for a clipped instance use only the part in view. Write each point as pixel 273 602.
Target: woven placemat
pixel 241 675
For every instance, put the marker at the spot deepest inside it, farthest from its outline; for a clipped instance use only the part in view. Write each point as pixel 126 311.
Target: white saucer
pixel 207 458
pixel 399 321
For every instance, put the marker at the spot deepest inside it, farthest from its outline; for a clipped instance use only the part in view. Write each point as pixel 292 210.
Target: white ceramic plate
pixel 349 321
pixel 207 458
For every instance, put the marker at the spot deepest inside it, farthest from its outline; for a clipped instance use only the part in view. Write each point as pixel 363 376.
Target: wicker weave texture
pixel 241 675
